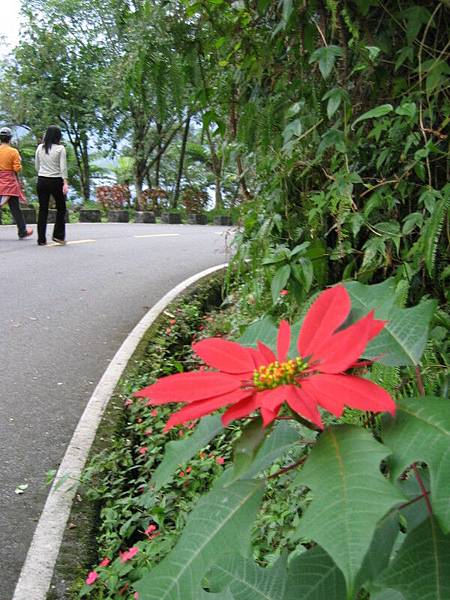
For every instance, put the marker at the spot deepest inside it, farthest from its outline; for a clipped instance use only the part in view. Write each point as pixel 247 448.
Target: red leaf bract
pixel 283 341
pixel 189 387
pixel 229 357
pixel 326 314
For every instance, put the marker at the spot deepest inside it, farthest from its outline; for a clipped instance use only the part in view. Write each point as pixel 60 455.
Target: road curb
pixel 37 572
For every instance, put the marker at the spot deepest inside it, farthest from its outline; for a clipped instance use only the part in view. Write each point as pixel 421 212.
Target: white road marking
pixel 151 235
pixel 53 244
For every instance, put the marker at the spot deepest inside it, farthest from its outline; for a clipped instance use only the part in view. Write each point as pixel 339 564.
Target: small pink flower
pixel 136 596
pixel 91 578
pixel 284 293
pixel 104 563
pixel 220 460
pixel 128 402
pixel 139 420
pixel 143 450
pixel 154 412
pixel 180 433
pixel 128 554
pixel 181 474
pixel 168 330
pixel 172 321
pixel 148 431
pixel 150 529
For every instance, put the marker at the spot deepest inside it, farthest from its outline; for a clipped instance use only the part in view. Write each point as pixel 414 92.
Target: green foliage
pixel 342 459
pixel 220 523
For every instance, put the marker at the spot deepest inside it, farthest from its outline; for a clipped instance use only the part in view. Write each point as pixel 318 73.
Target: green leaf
pixel 247 446
pixel 263 330
pixel 333 137
pixel 314 576
pixel 407 109
pixel 282 438
pixel 379 553
pixel 431 233
pixel 247 581
pixel 350 496
pixel 403 339
pixel 181 451
pixel 326 57
pixel 279 281
pixel 334 98
pixel 420 432
pixel 420 571
pixel 220 523
pixel 375 113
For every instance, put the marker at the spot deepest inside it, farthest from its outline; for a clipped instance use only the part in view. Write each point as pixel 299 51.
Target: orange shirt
pixel 9 159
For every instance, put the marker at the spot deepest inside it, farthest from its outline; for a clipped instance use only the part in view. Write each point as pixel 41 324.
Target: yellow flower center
pixel 268 377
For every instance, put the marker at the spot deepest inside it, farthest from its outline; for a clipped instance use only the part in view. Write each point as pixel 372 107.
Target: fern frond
pixel 432 232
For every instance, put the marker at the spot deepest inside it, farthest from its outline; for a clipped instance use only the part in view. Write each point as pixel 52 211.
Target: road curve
pixel 64 313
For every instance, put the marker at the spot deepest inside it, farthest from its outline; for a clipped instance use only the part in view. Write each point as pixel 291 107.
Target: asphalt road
pixel 64 313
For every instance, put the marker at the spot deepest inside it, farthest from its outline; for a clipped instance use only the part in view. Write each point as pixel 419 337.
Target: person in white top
pixel 51 167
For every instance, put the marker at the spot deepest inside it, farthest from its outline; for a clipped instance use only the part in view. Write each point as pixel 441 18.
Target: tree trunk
pixel 158 158
pixel 240 169
pixel 218 200
pixel 176 195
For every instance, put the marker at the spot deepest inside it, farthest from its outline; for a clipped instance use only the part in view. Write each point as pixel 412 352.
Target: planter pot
pixel 52 216
pixel 29 214
pixel 172 218
pixel 118 216
pixel 145 216
pixel 90 215
pixel 197 219
pixel 222 221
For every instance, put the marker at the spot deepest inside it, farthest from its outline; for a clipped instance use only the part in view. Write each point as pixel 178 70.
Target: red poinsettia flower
pixel 248 379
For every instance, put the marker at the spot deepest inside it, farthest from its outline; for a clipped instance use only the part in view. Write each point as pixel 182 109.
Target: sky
pixel 9 24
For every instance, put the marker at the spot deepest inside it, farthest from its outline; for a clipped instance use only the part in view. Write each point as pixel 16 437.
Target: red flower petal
pixel 283 341
pixel 258 358
pixel 326 314
pixel 189 387
pixel 334 391
pixel 195 410
pixel 268 416
pixel 304 405
pixel 343 349
pixel 266 353
pixel 240 409
pixel 229 357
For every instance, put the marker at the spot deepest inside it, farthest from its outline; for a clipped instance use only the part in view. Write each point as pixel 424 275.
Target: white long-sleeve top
pixel 53 164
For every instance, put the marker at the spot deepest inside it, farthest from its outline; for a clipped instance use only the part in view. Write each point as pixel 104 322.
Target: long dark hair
pixel 52 136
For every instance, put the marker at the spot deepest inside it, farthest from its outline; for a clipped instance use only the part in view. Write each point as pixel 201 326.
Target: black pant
pixel 14 207
pixel 46 187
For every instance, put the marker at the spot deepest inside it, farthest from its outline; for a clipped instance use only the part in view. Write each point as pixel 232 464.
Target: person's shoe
pixel 58 241
pixel 27 233
pixel 42 243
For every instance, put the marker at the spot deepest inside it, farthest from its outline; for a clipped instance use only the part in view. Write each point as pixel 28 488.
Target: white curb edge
pixel 37 572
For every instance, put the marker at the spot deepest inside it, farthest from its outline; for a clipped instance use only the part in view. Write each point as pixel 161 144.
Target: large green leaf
pixel 246 581
pixel 314 576
pixel 247 446
pixel 326 57
pixel 263 329
pixel 282 438
pixel 181 451
pixel 420 432
pixel 421 569
pixel 350 496
pixel 220 523
pixel 379 553
pixel 403 339
pixel 375 113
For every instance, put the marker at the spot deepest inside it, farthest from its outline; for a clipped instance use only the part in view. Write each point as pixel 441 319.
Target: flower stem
pixel 288 468
pixel 422 488
pixel 419 380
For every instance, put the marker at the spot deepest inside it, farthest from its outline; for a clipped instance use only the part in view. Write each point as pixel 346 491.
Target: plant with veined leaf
pixel 250 379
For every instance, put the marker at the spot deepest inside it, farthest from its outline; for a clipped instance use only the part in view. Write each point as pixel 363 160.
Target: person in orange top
pixel 10 189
